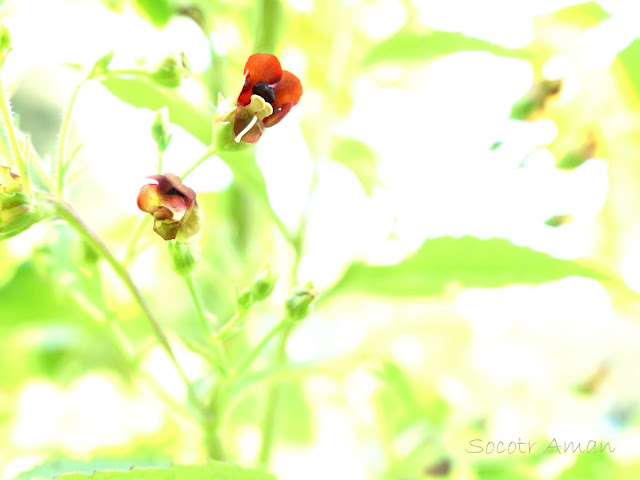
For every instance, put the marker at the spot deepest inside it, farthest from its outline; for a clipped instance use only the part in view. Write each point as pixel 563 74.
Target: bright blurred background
pixel 478 263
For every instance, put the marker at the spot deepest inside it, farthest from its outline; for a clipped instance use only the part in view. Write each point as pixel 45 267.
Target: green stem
pixel 67 213
pixel 210 152
pixel 227 327
pixel 273 398
pixel 160 154
pixel 64 130
pixel 267 35
pixel 250 358
pixel 143 224
pixel 16 155
pixel 221 356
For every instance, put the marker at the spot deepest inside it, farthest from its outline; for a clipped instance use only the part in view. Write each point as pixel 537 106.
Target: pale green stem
pixel 143 223
pixel 160 154
pixel 62 141
pixel 209 153
pixel 221 355
pixel 250 358
pixel 16 154
pixel 67 213
pixel 227 327
pixel 272 402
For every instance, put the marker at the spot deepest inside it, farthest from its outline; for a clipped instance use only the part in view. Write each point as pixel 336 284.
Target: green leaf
pixel 211 471
pixel 468 261
pixel 142 93
pixel 408 46
pixel 629 60
pixel 586 15
pixel 360 159
pixel 159 12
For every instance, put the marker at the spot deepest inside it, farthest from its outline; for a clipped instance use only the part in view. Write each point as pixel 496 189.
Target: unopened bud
pixel 18 211
pixel 299 303
pixel 101 67
pixel 535 99
pixel 576 157
pixel 184 256
pixel 171 71
pixel 558 220
pixel 160 129
pixel 245 300
pixel 263 285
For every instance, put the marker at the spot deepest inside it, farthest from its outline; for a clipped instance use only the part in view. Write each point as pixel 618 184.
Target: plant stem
pixel 227 327
pixel 209 152
pixel 221 355
pixel 160 154
pixel 273 398
pixel 16 155
pixel 250 358
pixel 64 130
pixel 67 213
pixel 267 35
pixel 143 223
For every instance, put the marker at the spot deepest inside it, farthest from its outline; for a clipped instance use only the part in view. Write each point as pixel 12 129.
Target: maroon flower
pixel 267 95
pixel 173 205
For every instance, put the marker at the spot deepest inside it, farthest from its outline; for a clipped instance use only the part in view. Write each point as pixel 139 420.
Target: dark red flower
pixel 268 94
pixel 173 205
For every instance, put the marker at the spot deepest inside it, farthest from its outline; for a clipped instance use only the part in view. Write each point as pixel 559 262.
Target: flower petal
pixel 149 198
pixel 288 89
pixel 263 67
pixel 278 114
pixel 260 67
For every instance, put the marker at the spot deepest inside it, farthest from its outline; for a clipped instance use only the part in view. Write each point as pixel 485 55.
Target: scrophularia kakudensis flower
pixel 267 96
pixel 173 206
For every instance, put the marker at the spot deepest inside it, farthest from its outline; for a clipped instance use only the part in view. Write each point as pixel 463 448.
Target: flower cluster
pixel 267 96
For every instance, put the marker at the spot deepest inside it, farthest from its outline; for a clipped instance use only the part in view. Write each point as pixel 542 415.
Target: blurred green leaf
pixel 408 46
pixel 586 15
pixel 142 93
pixel 360 159
pixel 590 466
pixel 630 64
pixel 468 261
pixel 212 471
pixel 58 466
pixel 159 12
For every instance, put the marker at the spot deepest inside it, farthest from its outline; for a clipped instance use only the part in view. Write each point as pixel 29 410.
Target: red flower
pixel 173 205
pixel 268 95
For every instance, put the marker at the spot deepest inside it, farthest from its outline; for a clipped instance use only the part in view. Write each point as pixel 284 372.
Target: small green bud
pixel 160 129
pixel 558 220
pixel 576 157
pixel 171 71
pixel 101 67
pixel 18 211
pixel 184 256
pixel 264 284
pixel 535 99
pixel 299 303
pixel 245 300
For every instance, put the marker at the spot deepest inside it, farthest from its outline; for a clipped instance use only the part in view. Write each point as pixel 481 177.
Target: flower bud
pixel 184 256
pixel 263 285
pixel 18 211
pixel 245 300
pixel 171 71
pixel 173 205
pixel 535 99
pixel 160 129
pixel 299 303
pixel 579 155
pixel 101 67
